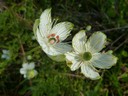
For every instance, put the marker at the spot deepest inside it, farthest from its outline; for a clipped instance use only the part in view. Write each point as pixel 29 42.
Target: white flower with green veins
pixel 50 35
pixel 28 70
pixel 87 54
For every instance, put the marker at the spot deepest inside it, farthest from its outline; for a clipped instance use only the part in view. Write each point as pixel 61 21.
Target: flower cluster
pixel 84 54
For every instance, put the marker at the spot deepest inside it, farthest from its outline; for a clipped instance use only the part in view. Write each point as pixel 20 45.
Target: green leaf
pixel 35 26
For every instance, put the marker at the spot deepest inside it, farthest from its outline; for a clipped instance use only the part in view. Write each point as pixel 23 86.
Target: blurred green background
pixel 56 79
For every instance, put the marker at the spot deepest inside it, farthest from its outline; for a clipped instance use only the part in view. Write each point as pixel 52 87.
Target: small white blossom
pixel 50 35
pixel 28 70
pixel 88 28
pixel 87 54
pixel 29 57
pixel 5 55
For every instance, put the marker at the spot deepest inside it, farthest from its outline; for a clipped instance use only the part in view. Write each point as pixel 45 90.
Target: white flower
pixel 5 55
pixel 87 56
pixel 50 36
pixel 28 70
pixel 88 28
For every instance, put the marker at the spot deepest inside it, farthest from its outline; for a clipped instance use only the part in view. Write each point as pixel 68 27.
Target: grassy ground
pixel 56 79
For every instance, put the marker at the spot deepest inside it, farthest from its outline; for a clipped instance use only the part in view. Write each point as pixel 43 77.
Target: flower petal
pixel 75 65
pixel 74 59
pixel 89 71
pixel 57 49
pixel 103 61
pixel 42 41
pixel 62 48
pixel 79 41
pixel 45 22
pixel 22 71
pixel 31 65
pixel 96 42
pixel 25 65
pixel 62 29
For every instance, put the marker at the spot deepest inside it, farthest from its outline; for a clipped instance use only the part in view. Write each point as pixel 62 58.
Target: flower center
pixel 52 39
pixel 30 73
pixel 87 56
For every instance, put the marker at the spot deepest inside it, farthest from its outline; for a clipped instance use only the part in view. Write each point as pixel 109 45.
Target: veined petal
pixel 96 42
pixel 75 65
pixel 103 61
pixel 51 51
pixel 45 22
pixel 74 59
pixel 57 49
pixel 89 71
pixel 62 48
pixel 79 41
pixel 41 40
pixel 31 65
pixel 62 29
